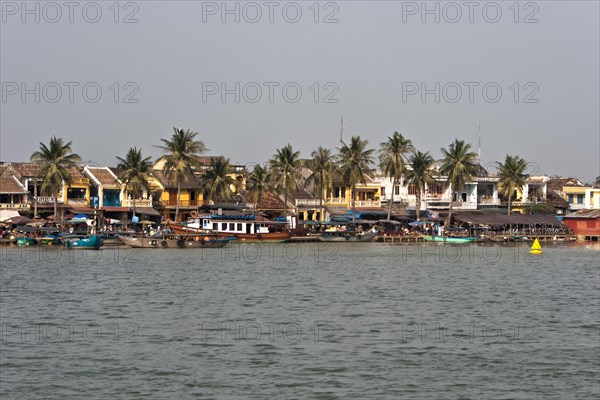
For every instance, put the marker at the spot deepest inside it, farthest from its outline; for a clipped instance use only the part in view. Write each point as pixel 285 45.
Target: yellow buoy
pixel 536 248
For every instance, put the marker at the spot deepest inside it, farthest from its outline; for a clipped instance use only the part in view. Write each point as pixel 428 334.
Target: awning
pixel 115 209
pixel 82 210
pixel 8 214
pixel 146 211
pixel 495 219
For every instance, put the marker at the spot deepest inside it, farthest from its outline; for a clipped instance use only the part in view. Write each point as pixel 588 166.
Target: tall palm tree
pixel 134 172
pixel 354 161
pixel 182 156
pixel 392 161
pixel 216 180
pixel 55 159
pixel 597 181
pixel 285 167
pixel 323 168
pixel 512 176
pixel 459 166
pixel 420 174
pixel 258 183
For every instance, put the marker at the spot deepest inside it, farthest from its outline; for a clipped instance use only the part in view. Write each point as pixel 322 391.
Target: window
pixel 239 227
pixel 76 193
pixel 397 190
pixel 580 198
pixel 224 226
pixel 570 199
pixel 231 226
pixel 412 189
pixel 215 226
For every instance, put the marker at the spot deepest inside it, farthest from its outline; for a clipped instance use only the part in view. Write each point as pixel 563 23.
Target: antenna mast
pixel 479 144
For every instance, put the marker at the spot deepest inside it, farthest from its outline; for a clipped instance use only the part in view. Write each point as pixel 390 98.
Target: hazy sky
pixel 379 64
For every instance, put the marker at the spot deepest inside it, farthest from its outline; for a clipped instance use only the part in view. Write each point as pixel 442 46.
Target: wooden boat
pixel 185 242
pixel 341 236
pixel 244 228
pixel 85 243
pixel 447 239
pixel 48 240
pixel 25 241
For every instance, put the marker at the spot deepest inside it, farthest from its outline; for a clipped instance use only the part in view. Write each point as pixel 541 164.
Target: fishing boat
pixel 86 243
pixel 448 239
pixel 179 242
pixel 341 236
pixel 25 241
pixel 244 228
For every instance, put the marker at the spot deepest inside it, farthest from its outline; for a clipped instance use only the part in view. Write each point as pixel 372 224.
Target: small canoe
pixel 86 243
pixel 25 241
pixel 446 239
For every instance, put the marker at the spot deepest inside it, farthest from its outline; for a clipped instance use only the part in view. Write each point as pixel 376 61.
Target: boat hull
pixel 160 243
pixel 25 241
pixel 340 237
pixel 444 239
pixel 273 237
pixel 88 243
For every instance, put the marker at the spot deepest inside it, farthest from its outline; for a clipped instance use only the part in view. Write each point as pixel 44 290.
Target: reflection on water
pixel 301 321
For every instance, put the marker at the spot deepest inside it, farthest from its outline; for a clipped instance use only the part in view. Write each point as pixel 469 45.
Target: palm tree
pixel 392 161
pixel 55 159
pixel 354 161
pixel 258 183
pixel 182 156
pixel 216 180
pixel 512 176
pixel 285 167
pixel 323 168
pixel 459 166
pixel 134 172
pixel 597 181
pixel 420 175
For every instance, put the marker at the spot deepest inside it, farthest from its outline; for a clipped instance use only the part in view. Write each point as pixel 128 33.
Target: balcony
pixel 367 203
pixel 112 203
pixel 47 200
pixel 138 203
pixel 309 202
pixel 77 202
pixel 13 206
pixel 183 203
pixel 489 202
pixel 464 205
pixel 337 200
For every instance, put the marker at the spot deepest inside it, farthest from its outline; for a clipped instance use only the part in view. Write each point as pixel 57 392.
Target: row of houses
pixel 96 189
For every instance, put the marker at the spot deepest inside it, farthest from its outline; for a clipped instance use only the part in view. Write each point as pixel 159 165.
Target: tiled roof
pixel 269 201
pixel 595 213
pixel 10 184
pixel 191 183
pixel 104 175
pixel 31 169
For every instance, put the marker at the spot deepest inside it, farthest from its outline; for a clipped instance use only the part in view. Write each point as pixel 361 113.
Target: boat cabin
pixel 231 224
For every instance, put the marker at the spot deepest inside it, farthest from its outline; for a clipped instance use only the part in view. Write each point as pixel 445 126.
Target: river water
pixel 322 321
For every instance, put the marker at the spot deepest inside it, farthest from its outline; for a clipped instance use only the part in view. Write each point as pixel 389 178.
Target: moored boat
pixel 25 241
pixel 181 242
pixel 244 228
pixel 340 236
pixel 86 243
pixel 448 239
